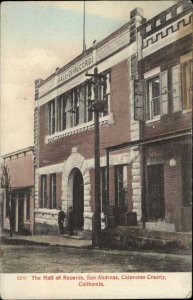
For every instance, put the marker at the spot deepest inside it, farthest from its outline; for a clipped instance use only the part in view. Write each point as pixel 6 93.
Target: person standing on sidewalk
pixel 61 217
pixel 70 220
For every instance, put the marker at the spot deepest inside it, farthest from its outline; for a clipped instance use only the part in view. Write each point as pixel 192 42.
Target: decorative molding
pixel 151 73
pixel 164 32
pixel 56 168
pixel 186 57
pixel 113 45
pixel 19 153
pixel 75 130
pixel 76 69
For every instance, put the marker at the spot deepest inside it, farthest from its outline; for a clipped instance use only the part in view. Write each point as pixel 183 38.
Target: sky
pixel 39 36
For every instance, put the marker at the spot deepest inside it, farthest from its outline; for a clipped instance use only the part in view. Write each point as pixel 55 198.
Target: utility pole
pixel 84 42
pixel 97 106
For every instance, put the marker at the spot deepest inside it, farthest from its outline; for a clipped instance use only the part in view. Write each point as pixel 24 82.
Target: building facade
pixel 165 61
pixel 140 106
pixel 64 130
pixel 19 198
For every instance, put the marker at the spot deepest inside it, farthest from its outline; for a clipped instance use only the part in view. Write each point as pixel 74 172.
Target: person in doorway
pixel 70 220
pixel 61 217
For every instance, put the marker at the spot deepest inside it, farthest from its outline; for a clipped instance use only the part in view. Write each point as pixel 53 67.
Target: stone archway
pixel 77 161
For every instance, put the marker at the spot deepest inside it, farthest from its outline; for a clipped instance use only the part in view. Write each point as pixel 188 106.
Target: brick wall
pixel 173 192
pixel 59 150
pixel 166 58
pixel 21 171
pixel 169 123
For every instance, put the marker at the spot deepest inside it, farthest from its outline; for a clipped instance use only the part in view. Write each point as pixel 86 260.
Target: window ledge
pixel 185 111
pixel 27 222
pixel 46 211
pixel 75 130
pixel 153 120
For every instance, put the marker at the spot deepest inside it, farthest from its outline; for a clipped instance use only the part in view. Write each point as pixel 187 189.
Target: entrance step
pixel 77 237
pixel 138 238
pixel 80 235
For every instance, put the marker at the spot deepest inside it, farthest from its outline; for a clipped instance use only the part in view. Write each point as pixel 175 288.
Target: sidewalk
pixel 64 240
pixel 117 239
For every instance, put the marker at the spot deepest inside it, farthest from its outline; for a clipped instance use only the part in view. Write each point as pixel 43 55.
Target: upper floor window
pixel 153 97
pixel 165 92
pixel 61 113
pixel 187 83
pixel 105 93
pixel 88 98
pixel 52 191
pixel 51 117
pixel 75 106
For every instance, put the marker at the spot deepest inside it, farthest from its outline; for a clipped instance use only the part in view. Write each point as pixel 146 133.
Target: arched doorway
pixel 77 193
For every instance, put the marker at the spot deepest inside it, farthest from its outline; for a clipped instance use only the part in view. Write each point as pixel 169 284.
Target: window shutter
pixel 108 87
pixel 139 95
pixel 176 99
pixel 164 92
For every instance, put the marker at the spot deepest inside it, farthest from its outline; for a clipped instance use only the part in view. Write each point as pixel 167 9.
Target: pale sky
pixel 37 37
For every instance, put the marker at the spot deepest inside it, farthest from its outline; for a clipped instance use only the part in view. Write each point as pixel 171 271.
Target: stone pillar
pixel 36 189
pixel 136 18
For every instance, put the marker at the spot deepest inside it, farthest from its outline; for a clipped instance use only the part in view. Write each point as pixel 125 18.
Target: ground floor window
pixel 53 191
pixel 7 206
pixel 43 196
pixel 28 207
pixel 121 185
pixel 104 200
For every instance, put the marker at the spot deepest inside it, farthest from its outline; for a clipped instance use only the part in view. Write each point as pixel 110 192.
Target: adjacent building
pixel 165 61
pixel 19 197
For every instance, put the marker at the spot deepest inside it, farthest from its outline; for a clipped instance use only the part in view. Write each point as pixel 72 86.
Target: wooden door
pixel 155 195
pixel 78 200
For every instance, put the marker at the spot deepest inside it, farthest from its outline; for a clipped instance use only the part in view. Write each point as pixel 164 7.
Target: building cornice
pixel 18 152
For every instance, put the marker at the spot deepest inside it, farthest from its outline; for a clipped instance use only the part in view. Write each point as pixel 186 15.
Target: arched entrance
pixel 76 161
pixel 77 196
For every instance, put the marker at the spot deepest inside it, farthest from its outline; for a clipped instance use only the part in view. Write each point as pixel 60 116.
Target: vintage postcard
pixel 96 149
